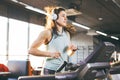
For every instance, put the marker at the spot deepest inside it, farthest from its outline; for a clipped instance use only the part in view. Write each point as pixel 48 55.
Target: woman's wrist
pixel 71 50
pixel 52 54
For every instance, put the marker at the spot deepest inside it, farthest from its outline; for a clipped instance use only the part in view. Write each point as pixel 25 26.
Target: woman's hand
pixel 71 49
pixel 55 54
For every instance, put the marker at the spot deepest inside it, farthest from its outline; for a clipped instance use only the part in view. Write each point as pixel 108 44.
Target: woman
pixel 57 39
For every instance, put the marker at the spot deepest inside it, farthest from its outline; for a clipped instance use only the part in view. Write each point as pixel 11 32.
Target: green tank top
pixel 57 43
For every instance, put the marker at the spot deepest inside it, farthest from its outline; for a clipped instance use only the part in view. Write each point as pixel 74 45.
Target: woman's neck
pixel 59 29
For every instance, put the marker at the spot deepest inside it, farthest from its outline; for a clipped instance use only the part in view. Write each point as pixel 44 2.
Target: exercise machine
pixel 95 66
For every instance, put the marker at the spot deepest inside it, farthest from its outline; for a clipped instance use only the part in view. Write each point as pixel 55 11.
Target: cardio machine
pixel 95 66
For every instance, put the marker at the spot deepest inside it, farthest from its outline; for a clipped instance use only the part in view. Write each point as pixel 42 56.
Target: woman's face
pixel 62 19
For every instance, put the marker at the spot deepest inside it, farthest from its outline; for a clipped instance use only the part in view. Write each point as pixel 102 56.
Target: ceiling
pixel 101 15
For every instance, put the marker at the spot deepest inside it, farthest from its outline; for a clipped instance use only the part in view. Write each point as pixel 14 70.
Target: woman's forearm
pixel 37 52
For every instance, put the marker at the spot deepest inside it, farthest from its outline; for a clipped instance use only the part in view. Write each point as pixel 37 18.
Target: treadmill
pixel 95 66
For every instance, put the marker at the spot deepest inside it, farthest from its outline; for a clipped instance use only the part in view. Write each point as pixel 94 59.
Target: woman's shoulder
pixel 48 35
pixel 68 33
pixel 46 32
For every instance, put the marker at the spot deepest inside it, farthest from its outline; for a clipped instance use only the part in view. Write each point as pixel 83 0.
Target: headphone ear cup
pixel 54 16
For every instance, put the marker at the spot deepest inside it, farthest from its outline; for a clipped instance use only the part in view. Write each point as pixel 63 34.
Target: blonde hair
pixel 49 22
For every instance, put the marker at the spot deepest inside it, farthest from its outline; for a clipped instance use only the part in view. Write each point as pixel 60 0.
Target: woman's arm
pixel 71 47
pixel 43 38
pixel 37 43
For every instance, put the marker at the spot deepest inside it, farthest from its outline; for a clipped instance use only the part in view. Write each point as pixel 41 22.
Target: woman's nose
pixel 65 18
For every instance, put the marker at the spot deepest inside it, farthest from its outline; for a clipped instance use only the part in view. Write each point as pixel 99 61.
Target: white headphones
pixel 54 16
pixel 55 11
